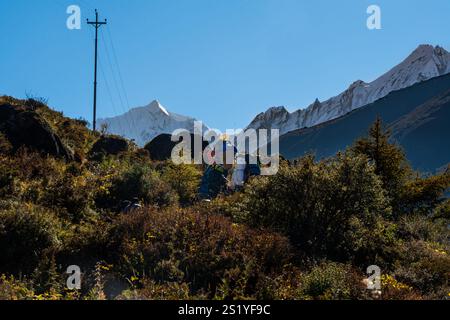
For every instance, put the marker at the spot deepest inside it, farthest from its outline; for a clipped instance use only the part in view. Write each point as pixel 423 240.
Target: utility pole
pixel 97 24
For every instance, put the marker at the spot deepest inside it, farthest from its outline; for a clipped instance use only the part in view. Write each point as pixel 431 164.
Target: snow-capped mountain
pixel 424 63
pixel 143 124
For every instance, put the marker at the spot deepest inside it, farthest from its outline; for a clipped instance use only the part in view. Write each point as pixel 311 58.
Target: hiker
pixel 214 180
pixel 243 171
pixel 252 169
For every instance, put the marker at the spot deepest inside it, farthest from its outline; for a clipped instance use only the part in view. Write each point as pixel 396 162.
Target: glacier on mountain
pixel 424 63
pixel 143 124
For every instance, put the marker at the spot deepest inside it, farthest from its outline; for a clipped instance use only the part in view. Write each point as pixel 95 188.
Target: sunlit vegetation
pixel 309 232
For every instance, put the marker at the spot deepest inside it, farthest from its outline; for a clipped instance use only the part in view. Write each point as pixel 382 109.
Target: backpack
pixel 251 170
pixel 213 182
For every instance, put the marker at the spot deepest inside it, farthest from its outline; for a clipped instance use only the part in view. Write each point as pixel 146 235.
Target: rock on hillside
pixel 109 145
pixel 23 127
pixel 160 148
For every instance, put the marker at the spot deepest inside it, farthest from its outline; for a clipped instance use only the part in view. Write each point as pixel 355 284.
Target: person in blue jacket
pixel 215 178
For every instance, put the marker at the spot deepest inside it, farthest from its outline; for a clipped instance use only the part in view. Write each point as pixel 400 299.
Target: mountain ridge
pixel 417 117
pixel 422 64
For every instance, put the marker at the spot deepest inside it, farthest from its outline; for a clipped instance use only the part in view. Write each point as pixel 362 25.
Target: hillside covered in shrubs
pixel 309 232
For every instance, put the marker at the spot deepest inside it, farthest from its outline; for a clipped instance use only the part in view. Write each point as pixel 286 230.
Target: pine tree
pixel 388 158
pixel 409 192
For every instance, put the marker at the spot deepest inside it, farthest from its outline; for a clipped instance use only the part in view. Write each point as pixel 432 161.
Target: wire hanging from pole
pixel 107 86
pixel 119 70
pixel 123 107
pixel 110 96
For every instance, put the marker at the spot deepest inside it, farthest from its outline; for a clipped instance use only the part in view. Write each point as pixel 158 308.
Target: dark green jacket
pixel 214 181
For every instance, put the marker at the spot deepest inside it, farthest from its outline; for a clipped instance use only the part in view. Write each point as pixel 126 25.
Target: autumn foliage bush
pixel 210 253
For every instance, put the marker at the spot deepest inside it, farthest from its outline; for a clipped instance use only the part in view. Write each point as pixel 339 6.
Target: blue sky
pixel 222 61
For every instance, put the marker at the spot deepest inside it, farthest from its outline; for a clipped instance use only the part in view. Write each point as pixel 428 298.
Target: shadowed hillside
pixel 418 117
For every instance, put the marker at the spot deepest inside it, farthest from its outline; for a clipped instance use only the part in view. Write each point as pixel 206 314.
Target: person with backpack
pixel 243 171
pixel 215 178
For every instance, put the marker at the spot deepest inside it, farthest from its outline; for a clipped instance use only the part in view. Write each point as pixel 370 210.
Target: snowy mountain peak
pixel 427 54
pixel 423 49
pixel 277 110
pixel 316 105
pixel 266 119
pixel 155 106
pixel 143 124
pixel 427 50
pixel 424 63
pixel 357 83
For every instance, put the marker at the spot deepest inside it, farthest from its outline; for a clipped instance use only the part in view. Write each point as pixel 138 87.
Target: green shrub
pixel 71 193
pixel 424 266
pixel 150 290
pixel 86 243
pixel 140 182
pixel 46 278
pixel 419 227
pixel 391 289
pixel 331 281
pixel 26 233
pixel 12 289
pixel 317 204
pixel 424 195
pixel 284 285
pixel 184 180
pixel 25 175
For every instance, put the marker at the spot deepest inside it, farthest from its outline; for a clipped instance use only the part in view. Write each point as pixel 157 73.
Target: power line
pixel 124 109
pixel 108 90
pixel 119 73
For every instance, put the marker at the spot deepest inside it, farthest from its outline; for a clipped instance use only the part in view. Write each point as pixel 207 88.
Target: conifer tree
pixel 388 158
pixel 408 192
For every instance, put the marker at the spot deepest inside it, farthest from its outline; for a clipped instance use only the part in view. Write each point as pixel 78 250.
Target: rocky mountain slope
pixel 424 63
pixel 418 117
